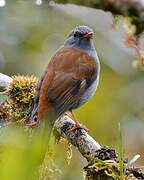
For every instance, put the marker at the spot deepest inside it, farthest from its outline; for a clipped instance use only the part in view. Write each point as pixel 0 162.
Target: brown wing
pixel 73 72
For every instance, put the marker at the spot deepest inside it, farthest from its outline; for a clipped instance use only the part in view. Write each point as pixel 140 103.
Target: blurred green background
pixel 31 32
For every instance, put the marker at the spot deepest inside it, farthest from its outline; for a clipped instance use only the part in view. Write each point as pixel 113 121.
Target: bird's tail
pixel 42 113
pixel 43 130
pixel 42 139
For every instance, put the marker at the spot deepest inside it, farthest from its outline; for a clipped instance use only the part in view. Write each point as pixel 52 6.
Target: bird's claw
pixel 79 126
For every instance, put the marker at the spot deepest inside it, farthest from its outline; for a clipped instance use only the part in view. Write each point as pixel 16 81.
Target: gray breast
pixel 89 92
pixel 92 89
pixel 88 48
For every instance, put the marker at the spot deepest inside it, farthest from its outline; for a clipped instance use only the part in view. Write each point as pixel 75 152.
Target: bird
pixel 70 79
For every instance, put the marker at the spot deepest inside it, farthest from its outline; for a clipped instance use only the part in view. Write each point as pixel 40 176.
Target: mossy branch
pixel 102 161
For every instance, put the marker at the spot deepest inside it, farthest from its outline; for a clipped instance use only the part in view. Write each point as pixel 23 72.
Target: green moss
pixel 5 111
pixel 102 170
pixel 22 90
pixel 20 97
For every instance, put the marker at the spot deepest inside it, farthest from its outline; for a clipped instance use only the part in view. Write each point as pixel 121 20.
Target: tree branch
pixel 78 137
pixel 4 82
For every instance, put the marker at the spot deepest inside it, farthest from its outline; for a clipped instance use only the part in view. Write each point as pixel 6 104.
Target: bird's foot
pixel 77 125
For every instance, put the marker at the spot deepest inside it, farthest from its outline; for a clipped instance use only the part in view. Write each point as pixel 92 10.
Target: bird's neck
pixel 88 48
pixel 85 46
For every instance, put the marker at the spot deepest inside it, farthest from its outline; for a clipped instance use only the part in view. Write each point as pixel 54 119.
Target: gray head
pixel 80 37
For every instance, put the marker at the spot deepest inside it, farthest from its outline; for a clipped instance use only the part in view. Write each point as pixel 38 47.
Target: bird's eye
pixel 77 34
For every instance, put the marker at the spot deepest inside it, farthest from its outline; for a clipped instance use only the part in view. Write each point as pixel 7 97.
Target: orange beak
pixel 88 35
